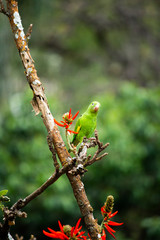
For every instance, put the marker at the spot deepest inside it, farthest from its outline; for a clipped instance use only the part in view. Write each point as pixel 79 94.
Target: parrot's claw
pixel 80 169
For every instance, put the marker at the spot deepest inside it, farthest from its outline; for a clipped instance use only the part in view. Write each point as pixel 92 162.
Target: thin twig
pixel 72 148
pixel 90 162
pixel 93 142
pixel 18 238
pixel 32 237
pixel 99 150
pixel 14 211
pixel 21 238
pixel 29 32
pixel 22 203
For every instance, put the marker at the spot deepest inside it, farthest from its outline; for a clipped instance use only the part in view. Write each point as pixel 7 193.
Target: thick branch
pixel 53 151
pixel 40 104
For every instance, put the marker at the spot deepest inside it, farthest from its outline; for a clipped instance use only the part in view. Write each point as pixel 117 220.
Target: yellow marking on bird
pixel 78 128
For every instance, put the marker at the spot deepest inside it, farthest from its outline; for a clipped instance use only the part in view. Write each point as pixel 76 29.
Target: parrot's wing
pixel 77 129
pixel 78 125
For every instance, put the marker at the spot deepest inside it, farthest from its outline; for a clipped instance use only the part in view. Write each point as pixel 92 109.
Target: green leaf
pixel 3 192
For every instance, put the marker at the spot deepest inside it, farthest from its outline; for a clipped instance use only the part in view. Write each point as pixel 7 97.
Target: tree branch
pixel 53 151
pixel 22 203
pixel 93 142
pixel 14 211
pixel 29 32
pixel 40 104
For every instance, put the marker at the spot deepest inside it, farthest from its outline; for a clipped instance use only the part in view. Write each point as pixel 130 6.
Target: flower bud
pixel 108 205
pixel 67 230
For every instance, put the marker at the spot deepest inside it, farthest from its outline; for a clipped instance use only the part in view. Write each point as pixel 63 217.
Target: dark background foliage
pixel 86 50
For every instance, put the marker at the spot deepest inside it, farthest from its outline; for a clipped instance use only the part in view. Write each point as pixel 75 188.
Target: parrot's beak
pixel 96 107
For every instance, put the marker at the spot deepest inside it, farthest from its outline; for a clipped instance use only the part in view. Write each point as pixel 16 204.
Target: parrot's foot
pixel 78 170
pixel 72 148
pixel 91 143
pixel 82 159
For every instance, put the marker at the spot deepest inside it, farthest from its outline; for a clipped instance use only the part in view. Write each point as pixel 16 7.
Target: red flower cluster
pixel 67 233
pixel 74 233
pixel 108 223
pixel 68 119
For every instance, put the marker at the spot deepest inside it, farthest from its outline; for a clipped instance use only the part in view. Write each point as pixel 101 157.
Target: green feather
pixel 86 124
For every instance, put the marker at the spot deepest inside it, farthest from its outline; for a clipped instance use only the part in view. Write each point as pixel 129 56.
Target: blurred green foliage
pixel 80 42
pixel 105 51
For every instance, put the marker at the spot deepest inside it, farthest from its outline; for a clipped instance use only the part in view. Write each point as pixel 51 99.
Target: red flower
pixel 68 119
pixel 67 232
pixel 107 222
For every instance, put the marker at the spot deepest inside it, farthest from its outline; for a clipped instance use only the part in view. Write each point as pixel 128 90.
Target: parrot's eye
pixel 92 104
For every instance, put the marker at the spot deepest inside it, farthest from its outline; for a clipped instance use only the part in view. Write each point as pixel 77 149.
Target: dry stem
pixel 21 238
pixel 29 32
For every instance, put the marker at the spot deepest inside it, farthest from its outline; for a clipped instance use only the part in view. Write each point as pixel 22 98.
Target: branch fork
pixel 82 160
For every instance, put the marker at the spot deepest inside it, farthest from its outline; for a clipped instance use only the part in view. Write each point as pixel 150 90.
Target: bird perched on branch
pixel 86 124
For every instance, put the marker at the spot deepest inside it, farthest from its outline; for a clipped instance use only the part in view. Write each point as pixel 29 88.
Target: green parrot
pixel 86 124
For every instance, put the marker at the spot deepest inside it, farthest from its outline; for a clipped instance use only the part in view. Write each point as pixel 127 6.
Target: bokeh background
pixel 106 50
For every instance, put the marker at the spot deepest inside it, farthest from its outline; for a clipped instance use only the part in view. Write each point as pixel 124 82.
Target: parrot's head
pixel 94 107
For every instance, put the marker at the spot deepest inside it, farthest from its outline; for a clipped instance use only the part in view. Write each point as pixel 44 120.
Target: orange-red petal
pixel 112 214
pixel 59 124
pixel 110 230
pixel 70 115
pixel 76 227
pixel 111 223
pixel 72 131
pixel 58 235
pixel 75 115
pixel 60 226
pixel 103 235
